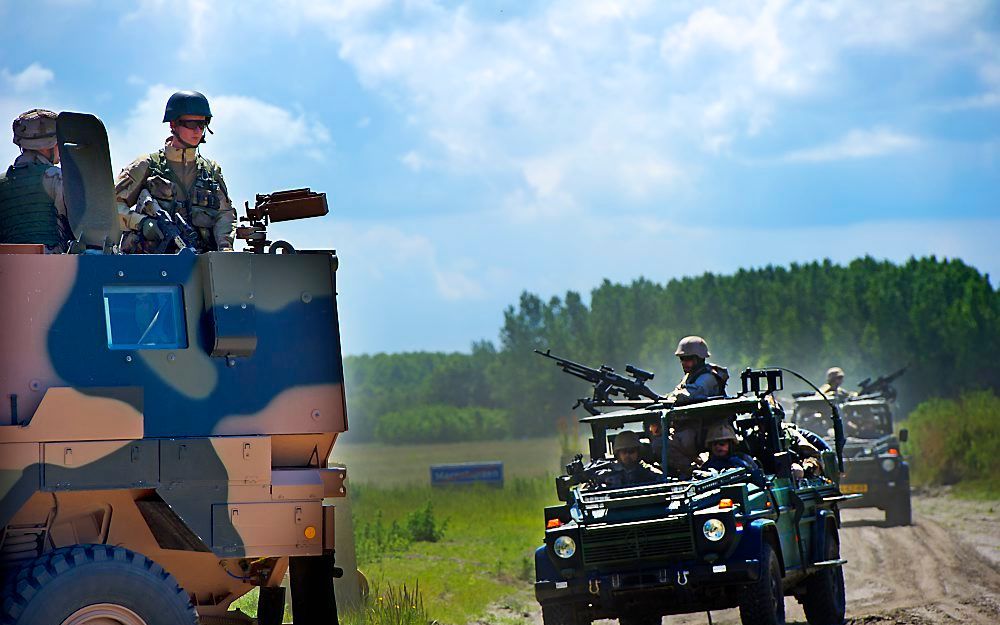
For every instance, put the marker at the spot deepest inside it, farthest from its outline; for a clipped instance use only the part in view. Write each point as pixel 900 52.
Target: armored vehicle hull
pixel 165 430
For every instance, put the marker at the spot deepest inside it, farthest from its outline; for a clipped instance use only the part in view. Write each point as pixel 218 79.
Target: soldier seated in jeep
pixel 628 469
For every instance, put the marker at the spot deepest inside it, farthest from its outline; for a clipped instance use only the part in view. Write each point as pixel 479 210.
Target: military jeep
pixel 874 466
pixel 167 421
pixel 736 538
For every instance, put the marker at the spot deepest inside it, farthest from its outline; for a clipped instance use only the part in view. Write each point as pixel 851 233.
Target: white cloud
pixel 856 144
pixel 413 160
pixel 31 78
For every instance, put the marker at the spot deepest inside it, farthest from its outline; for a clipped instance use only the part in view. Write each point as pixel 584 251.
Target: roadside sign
pixel 467 473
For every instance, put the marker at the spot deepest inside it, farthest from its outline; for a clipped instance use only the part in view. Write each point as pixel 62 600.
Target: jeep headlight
pixel 888 464
pixel 714 530
pixel 564 546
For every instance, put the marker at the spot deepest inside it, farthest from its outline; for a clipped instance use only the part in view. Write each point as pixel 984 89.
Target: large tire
pixel 825 602
pixel 899 512
pixel 562 614
pixel 87 583
pixel 763 602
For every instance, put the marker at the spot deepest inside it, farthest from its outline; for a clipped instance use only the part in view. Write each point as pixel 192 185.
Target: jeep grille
pixel 670 538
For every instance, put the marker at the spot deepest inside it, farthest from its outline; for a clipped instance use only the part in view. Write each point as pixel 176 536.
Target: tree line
pixel 938 317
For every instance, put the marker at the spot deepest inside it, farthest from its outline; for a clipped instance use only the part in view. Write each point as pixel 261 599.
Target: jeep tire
pixel 824 602
pixel 899 511
pixel 763 602
pixel 94 584
pixel 562 614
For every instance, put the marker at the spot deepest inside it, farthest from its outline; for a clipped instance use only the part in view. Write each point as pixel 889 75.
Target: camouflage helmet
pixel 721 432
pixel 692 346
pixel 833 373
pixel 187 103
pixel 626 440
pixel 35 129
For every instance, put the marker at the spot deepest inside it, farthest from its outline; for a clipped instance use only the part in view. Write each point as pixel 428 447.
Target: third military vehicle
pixel 166 421
pixel 741 537
pixel 874 466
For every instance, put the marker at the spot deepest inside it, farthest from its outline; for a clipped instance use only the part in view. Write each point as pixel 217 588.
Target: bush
pixel 375 540
pixel 422 526
pixel 442 424
pixel 953 440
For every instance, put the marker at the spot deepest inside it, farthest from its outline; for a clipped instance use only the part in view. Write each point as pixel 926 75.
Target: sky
pixel 472 151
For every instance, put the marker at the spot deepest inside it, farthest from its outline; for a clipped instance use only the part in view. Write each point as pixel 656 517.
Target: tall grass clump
pixel 389 605
pixel 956 440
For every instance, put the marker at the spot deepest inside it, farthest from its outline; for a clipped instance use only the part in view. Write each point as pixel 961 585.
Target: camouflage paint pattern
pixel 200 456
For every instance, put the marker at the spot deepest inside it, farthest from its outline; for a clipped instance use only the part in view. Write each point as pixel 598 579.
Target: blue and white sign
pixel 467 473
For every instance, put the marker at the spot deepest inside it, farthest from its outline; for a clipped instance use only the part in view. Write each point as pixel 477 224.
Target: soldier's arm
pixel 52 183
pixel 127 187
pixel 225 226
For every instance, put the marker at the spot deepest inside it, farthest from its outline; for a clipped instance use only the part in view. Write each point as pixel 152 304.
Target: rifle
pixel 606 382
pixel 882 385
pixel 177 235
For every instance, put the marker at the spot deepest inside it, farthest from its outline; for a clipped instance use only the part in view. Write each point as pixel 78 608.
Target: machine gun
pixel 275 207
pixel 882 386
pixel 606 382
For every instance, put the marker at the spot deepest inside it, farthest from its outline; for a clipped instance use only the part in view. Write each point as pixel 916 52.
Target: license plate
pixel 849 489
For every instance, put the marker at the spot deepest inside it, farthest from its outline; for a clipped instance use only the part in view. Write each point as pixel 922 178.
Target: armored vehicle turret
pixel 166 422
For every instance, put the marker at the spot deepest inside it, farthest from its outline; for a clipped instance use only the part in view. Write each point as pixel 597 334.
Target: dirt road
pixel 944 569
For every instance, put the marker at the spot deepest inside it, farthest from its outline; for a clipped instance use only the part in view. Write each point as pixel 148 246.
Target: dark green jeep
pixel 874 466
pixel 739 537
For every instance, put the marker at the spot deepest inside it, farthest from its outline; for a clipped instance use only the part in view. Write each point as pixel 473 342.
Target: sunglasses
pixel 193 124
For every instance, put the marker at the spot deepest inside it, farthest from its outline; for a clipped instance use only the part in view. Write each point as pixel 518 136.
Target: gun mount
pixel 276 207
pixel 607 383
pixel 881 386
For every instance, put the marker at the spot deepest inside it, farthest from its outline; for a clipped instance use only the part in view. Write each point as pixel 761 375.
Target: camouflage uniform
pixel 183 182
pixel 32 208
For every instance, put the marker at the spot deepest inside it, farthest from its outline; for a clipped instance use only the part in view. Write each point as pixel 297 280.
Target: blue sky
pixel 472 151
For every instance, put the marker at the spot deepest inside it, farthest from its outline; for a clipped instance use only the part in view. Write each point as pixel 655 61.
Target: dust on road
pixel 943 569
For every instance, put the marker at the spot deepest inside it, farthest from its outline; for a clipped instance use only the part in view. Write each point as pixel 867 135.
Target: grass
pixel 485 555
pixel 390 465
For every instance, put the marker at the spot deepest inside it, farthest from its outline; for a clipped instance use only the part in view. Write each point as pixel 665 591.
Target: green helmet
pixel 187 103
pixel 35 129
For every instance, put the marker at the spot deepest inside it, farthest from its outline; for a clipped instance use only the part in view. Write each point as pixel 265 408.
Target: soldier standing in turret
pixel 32 209
pixel 834 378
pixel 179 180
pixel 701 380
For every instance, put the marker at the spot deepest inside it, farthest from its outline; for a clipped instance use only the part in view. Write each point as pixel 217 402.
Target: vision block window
pixel 145 317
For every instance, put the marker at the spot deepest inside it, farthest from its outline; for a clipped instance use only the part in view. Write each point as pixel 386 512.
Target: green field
pixel 392 465
pixel 482 566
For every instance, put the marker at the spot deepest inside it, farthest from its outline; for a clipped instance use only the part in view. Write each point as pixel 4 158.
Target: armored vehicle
pixel 874 466
pixel 167 421
pixel 740 537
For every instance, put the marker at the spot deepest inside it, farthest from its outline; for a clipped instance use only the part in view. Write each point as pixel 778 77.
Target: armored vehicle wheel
pixel 899 512
pixel 562 614
pixel 763 602
pixel 94 585
pixel 825 602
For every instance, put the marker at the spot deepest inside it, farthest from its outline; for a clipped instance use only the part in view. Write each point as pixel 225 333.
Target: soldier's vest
pixel 720 374
pixel 198 204
pixel 27 213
